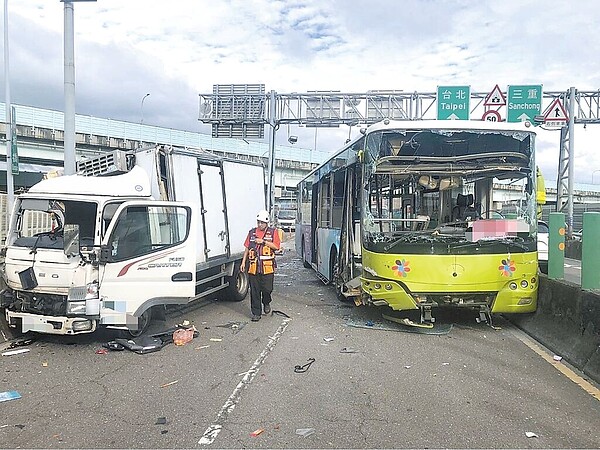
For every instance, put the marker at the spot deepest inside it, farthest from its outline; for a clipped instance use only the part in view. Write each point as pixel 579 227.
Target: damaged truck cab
pixel 143 230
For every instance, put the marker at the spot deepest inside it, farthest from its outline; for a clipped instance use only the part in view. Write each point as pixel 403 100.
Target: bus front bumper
pixel 512 298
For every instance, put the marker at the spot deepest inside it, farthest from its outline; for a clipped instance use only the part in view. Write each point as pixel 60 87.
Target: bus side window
pixel 338 199
pixel 325 203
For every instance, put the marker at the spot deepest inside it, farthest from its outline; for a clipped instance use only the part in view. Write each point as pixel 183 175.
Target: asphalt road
pixel 473 387
pixel 573 271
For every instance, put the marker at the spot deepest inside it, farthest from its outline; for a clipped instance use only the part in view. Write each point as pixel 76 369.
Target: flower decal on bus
pixel 507 268
pixel 401 268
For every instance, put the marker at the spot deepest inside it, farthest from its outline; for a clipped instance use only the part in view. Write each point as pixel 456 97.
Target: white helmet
pixel 263 216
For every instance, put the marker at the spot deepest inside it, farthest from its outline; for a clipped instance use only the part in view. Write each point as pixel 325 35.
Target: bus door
pixel 356 209
pixel 313 222
pixel 350 248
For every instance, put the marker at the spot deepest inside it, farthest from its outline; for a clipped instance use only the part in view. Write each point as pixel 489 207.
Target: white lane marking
pixel 213 430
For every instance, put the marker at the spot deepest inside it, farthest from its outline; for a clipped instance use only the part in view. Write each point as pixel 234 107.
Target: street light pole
pixel 69 55
pixel 9 176
pixel 69 81
pixel 142 108
pixel 142 118
pixel 598 170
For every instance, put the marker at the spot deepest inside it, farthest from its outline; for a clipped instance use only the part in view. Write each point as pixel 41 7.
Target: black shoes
pixel 266 309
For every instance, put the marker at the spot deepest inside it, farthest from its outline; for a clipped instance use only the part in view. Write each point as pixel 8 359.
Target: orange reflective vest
pixel 261 258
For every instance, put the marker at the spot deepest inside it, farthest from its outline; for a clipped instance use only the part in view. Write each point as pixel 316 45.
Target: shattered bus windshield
pixel 432 191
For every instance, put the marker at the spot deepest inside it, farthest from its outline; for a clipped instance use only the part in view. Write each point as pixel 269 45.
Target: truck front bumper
pixel 50 324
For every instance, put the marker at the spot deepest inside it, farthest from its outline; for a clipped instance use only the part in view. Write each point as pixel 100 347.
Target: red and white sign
pixel 495 98
pixel 491 116
pixel 556 112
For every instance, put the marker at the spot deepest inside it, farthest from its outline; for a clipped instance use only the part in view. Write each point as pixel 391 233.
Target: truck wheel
pixel 238 285
pixel 143 324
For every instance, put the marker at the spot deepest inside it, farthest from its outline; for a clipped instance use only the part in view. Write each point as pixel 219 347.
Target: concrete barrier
pixel 567 321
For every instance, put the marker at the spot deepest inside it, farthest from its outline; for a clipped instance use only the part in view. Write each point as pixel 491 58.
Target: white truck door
pixel 148 258
pixel 216 235
pixel 242 202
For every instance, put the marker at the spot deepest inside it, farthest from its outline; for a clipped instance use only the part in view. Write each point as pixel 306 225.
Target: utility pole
pixel 69 56
pixel 69 81
pixel 274 126
pixel 9 138
pixel 142 108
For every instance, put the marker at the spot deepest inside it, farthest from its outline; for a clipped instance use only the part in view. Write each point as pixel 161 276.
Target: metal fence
pixel 54 120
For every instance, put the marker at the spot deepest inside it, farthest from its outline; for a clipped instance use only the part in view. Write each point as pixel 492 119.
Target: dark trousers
pixel 261 287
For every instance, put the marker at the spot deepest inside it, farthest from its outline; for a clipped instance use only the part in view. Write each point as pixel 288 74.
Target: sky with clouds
pixel 178 49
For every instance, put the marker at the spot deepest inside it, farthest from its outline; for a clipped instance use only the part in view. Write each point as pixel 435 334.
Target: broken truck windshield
pixel 39 223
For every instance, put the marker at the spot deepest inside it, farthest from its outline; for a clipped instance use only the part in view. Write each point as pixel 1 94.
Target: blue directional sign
pixel 453 102
pixel 524 103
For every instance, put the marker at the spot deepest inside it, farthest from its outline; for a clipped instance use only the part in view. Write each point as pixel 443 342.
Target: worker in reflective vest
pixel 259 261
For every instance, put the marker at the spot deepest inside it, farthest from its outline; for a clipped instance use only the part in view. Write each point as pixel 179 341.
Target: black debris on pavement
pixel 439 329
pixel 301 369
pixel 235 327
pixel 146 344
pixel 22 342
pixel 348 350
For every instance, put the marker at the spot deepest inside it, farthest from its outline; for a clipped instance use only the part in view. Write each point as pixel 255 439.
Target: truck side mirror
pixel 71 239
pixel 105 254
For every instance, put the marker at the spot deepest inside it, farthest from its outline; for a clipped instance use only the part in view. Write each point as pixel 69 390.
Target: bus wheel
pixel 143 324
pixel 238 285
pixel 332 266
pixel 304 262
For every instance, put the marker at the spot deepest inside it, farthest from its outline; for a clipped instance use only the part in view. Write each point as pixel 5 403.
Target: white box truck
pixel 130 232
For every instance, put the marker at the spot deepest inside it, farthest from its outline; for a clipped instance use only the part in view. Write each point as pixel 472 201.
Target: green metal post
pixel 590 249
pixel 556 246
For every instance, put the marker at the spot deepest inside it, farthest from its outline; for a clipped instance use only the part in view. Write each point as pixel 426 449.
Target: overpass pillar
pixel 556 246
pixel 590 249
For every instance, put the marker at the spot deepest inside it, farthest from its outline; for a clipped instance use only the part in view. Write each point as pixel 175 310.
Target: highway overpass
pixel 40 139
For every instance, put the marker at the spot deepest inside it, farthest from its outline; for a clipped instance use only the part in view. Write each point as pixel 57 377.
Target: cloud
pixel 111 79
pixel 125 49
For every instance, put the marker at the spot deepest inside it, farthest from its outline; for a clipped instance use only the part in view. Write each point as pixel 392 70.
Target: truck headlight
pixel 92 290
pixel 76 307
pixel 82 325
pixel 87 292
